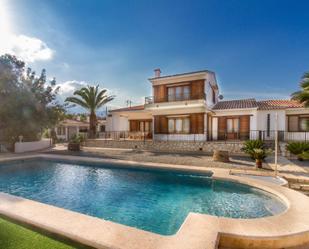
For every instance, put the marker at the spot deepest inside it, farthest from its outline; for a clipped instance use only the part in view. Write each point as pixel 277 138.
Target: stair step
pixel 302 187
pixel 297 180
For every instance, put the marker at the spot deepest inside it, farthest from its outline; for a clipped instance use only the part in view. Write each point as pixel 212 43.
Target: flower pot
pixel 258 163
pixel 74 146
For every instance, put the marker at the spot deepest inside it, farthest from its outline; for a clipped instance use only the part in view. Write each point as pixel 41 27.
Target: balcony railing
pixel 174 97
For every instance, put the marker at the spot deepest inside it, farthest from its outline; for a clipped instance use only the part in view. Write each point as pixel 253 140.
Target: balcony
pixel 174 98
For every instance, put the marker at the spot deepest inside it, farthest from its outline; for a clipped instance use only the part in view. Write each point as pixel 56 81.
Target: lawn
pixel 13 236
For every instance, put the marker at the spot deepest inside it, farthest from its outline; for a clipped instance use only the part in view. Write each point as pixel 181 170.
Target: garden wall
pixel 21 147
pixel 170 146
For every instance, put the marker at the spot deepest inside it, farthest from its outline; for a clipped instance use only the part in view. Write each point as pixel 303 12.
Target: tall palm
pixel 91 98
pixel 303 95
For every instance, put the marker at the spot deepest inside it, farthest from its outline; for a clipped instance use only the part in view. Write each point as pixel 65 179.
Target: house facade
pixel 68 128
pixel 187 107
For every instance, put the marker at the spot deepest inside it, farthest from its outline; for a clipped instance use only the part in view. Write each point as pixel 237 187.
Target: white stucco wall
pixel 214 128
pixel 32 146
pixel 262 120
pixel 117 122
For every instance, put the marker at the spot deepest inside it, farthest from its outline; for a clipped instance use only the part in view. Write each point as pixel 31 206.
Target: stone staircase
pixel 299 183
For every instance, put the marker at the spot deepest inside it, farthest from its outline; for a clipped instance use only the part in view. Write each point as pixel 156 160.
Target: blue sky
pixel 257 48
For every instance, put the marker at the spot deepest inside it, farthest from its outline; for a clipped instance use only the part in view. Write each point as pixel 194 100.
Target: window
pixel 268 125
pixel 298 123
pixel 179 125
pixel 61 130
pixel 304 124
pixel 293 123
pixel 178 93
pixel 232 125
pixel 102 128
pixel 145 126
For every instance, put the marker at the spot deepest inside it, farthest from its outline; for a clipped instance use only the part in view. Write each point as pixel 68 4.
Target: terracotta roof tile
pixel 236 104
pixel 132 108
pixel 278 104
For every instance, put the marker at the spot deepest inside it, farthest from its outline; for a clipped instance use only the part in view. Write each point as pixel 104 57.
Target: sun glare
pixel 5 25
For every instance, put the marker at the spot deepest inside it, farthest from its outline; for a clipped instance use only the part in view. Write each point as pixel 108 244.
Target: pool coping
pixel 198 231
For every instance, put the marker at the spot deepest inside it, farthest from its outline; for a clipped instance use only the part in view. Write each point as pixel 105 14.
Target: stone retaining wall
pixel 171 146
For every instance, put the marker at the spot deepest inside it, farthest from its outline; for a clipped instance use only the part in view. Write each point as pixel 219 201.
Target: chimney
pixel 157 72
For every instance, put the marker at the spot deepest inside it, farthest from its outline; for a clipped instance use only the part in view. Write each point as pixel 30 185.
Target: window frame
pixel 300 118
pixel 174 119
pixel 183 95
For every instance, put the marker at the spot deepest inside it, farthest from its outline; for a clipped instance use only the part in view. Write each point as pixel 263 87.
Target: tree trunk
pixel 93 122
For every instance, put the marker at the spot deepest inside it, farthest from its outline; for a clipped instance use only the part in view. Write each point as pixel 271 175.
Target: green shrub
pixel 261 154
pixel 304 155
pixel 297 148
pixel 251 145
pixel 77 138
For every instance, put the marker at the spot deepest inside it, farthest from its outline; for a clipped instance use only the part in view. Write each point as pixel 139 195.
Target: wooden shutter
pixel 244 127
pixel 221 128
pixel 161 125
pixel 197 89
pixel 160 93
pixel 222 124
pixel 134 125
pixel 293 123
pixel 244 124
pixel 197 123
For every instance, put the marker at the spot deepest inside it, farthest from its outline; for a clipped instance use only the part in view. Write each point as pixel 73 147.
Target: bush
pixel 260 154
pixel 251 145
pixel 298 148
pixel 304 155
pixel 77 139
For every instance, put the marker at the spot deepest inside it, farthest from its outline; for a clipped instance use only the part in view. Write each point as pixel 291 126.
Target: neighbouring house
pixel 70 127
pixel 187 107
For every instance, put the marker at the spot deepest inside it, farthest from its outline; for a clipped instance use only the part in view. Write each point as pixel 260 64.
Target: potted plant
pixel 250 145
pixel 259 155
pixel 75 141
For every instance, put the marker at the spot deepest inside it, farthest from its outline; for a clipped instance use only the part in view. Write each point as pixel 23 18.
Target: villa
pixel 189 107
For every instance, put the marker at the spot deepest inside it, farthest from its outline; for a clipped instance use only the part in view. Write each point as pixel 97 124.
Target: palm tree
pixel 91 98
pixel 303 95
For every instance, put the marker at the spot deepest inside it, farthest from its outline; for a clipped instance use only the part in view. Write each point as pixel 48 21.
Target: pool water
pixel 156 201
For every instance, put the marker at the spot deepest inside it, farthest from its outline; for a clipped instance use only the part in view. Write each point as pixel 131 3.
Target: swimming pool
pixel 156 201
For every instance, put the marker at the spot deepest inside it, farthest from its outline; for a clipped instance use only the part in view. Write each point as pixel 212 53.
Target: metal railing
pixel 174 97
pixel 215 136
pixel 264 135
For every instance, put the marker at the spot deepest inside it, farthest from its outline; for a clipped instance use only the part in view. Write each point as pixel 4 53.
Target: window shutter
pixel 160 93
pixel 161 125
pixel 197 89
pixel 293 123
pixel 134 125
pixel 244 127
pixel 197 123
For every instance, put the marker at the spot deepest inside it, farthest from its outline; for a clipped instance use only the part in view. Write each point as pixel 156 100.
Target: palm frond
pixel 77 101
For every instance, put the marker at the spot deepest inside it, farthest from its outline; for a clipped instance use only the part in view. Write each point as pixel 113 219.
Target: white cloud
pixel 69 87
pixel 27 48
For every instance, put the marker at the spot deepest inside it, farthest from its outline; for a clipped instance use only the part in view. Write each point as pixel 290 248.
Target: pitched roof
pixel 278 104
pixel 132 108
pixel 235 104
pixel 74 122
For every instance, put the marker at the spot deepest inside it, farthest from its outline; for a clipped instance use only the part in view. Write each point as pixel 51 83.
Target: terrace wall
pixel 168 146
